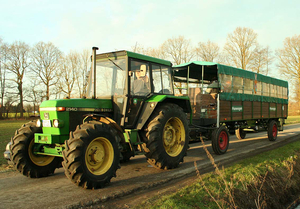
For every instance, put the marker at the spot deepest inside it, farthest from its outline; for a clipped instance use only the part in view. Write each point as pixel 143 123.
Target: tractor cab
pixel 128 79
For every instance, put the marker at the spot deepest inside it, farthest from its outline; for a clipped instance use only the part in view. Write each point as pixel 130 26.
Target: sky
pixel 118 25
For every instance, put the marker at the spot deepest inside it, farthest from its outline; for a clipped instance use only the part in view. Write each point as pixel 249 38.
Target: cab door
pixel 139 89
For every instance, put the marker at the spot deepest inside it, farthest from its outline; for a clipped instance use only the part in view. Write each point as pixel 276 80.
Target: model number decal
pixel 75 109
pixel 71 109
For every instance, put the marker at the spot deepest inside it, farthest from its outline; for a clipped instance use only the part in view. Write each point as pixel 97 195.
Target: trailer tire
pixel 240 133
pixel 23 158
pixel 167 137
pixel 272 130
pixel 220 140
pixel 92 155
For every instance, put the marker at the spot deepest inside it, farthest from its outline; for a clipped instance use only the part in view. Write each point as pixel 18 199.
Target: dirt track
pixel 56 191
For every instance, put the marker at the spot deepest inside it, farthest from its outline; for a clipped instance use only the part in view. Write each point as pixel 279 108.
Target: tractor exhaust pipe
pixel 94 68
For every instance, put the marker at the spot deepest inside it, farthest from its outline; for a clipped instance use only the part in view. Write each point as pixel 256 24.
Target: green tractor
pixel 129 109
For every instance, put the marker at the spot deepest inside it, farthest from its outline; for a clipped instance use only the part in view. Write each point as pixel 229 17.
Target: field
pixel 7 130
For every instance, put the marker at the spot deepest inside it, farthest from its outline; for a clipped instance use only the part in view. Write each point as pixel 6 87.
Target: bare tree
pixel 85 67
pixel 3 58
pixel 9 104
pixel 179 49
pixel 208 51
pixel 70 70
pixel 289 59
pixel 35 93
pixel 17 63
pixel 240 47
pixel 153 52
pixel 46 61
pixel 262 60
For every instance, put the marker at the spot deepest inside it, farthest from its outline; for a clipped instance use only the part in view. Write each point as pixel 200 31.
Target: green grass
pixel 7 130
pixel 237 176
pixel 293 119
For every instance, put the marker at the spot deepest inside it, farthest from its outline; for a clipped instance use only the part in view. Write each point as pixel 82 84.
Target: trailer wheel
pixel 23 157
pixel 220 140
pixel 91 155
pixel 272 130
pixel 240 133
pixel 167 137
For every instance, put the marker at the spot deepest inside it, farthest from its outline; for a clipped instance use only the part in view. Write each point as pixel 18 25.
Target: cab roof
pixel 133 55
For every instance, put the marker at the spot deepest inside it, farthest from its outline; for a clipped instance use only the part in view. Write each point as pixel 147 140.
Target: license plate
pixel 46 123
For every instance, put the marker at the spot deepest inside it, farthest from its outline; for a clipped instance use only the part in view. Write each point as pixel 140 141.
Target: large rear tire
pixel 167 137
pixel 23 157
pixel 272 130
pixel 91 156
pixel 220 140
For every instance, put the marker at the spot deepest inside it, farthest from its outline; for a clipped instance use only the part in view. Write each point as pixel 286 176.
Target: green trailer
pixel 227 100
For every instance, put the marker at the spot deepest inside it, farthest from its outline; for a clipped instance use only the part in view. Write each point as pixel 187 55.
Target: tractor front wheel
pixel 220 140
pixel 91 155
pixel 23 156
pixel 167 137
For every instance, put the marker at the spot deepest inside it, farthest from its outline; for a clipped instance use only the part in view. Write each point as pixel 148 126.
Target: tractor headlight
pixel 39 123
pixel 58 123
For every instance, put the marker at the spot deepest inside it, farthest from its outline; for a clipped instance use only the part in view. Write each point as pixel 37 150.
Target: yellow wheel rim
pixel 174 136
pixel 99 156
pixel 39 160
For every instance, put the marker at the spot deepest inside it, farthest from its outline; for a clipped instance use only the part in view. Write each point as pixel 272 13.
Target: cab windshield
pixel 110 78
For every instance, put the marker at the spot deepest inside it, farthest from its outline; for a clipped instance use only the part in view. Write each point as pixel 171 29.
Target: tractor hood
pixel 76 104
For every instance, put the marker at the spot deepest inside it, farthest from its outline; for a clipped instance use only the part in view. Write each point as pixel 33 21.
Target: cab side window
pixel 140 82
pixel 157 82
pixel 162 79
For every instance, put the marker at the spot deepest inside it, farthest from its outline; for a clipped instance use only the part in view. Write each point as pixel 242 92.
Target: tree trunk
pixel 20 87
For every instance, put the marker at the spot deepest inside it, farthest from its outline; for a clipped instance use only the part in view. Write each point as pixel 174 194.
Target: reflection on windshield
pixel 110 78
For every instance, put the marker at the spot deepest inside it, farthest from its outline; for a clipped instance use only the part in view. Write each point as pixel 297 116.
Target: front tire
pixel 220 140
pixel 91 156
pixel 23 157
pixel 167 137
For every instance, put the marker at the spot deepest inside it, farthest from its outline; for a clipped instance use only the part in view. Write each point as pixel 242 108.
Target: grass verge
pixel 7 130
pixel 268 180
pixel 293 119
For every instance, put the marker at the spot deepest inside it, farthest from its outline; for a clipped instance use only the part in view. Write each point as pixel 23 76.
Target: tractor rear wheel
pixel 220 140
pixel 240 133
pixel 23 157
pixel 167 137
pixel 91 156
pixel 272 130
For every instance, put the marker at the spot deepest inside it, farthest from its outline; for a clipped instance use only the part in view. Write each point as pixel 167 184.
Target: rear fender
pixel 155 101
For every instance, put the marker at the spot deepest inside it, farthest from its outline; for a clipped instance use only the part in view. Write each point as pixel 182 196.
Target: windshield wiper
pixel 114 63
